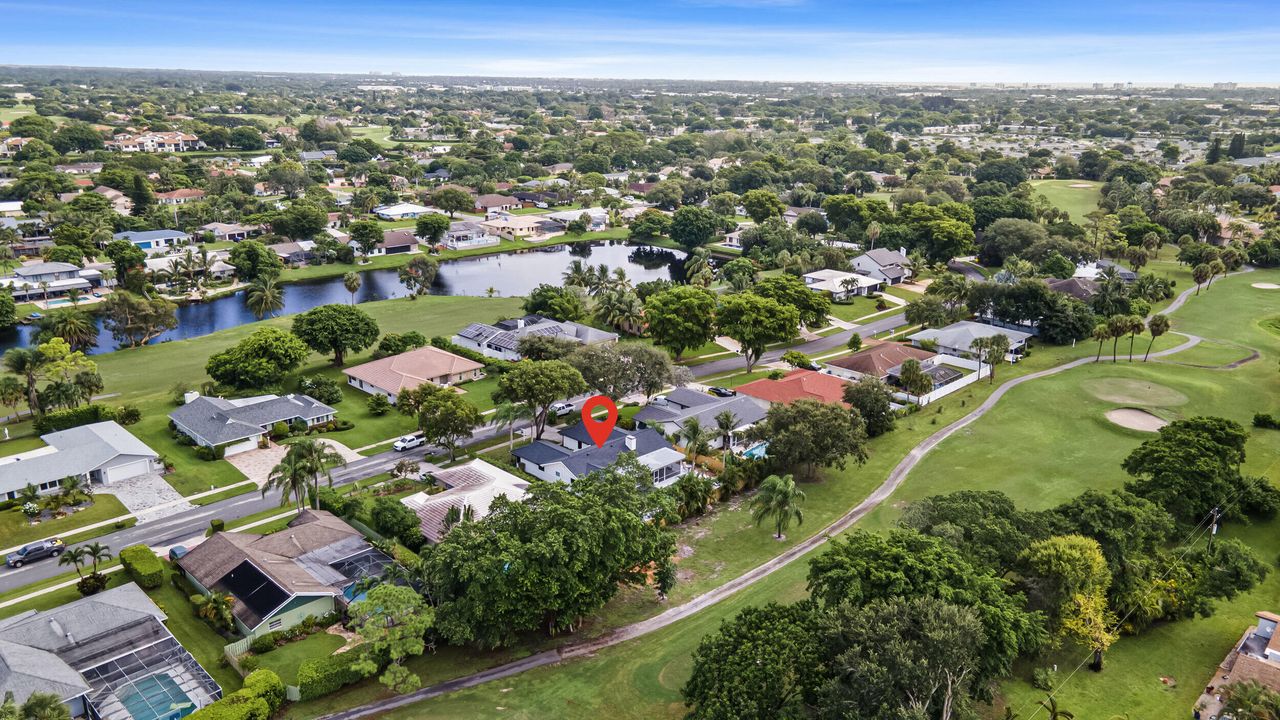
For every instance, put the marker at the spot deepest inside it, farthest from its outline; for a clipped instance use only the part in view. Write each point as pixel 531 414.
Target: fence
pixel 233 651
pixel 979 372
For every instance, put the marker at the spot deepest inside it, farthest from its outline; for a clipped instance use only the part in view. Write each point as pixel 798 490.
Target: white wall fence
pixel 976 373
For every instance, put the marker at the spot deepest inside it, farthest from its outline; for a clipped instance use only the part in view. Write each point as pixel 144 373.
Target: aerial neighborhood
pixel 361 395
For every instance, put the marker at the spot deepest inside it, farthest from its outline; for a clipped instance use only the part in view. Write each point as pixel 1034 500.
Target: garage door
pixel 240 447
pixel 125 471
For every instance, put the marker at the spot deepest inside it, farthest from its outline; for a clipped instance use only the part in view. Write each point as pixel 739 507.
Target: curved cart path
pixel 715 595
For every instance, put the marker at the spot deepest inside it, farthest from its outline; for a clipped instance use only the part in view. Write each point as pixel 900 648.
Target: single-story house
pixel 108 656
pixel 496 203
pixel 119 201
pixel 402 211
pixel 577 455
pixel 957 338
pixel 468 234
pixel 294 252
pixel 513 227
pixel 392 375
pixel 396 242
pixel 503 339
pixel 154 241
pixel 318 155
pixel 306 570
pixel 11 208
pixel 598 218
pixel 238 425
pixel 842 285
pixel 179 197
pixel 99 453
pixel 1077 287
pixel 223 232
pixel 667 413
pixel 890 266
pixel 877 361
pixel 471 488
pixel 557 168
pixel 1255 657
pixel 1094 271
pixel 797 385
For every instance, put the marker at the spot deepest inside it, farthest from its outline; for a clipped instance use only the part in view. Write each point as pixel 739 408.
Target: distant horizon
pixel 1150 44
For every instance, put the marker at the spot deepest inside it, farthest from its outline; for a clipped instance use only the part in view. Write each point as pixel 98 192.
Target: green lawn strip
pixel 54 598
pixel 20 445
pixel 225 494
pixel 1207 353
pixel 39 585
pixel 259 516
pixel 853 309
pixel 196 636
pixel 1078 202
pixel 15 530
pixel 284 660
pixel 480 392
pixel 80 536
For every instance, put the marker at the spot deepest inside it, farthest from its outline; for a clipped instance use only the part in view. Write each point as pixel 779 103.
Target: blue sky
pixel 783 40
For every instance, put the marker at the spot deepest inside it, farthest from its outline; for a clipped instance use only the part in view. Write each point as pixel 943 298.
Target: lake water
pixel 509 274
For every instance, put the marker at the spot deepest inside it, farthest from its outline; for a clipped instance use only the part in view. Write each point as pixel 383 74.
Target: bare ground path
pixel 715 595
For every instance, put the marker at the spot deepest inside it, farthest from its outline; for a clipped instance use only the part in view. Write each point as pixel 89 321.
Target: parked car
pixel 811 366
pixel 722 391
pixel 177 552
pixel 561 409
pixel 408 442
pixel 52 547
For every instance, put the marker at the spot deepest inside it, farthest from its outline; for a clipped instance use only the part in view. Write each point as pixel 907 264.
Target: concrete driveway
pixel 148 497
pixel 256 464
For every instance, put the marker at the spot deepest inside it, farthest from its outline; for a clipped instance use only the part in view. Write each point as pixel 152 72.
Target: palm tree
pixel 11 392
pixel 45 706
pixel 29 364
pixel 997 348
pixel 779 499
pixel 1200 274
pixel 317 457
pixel 97 552
pixel 952 289
pixel 74 296
pixel 577 274
pixel 1055 713
pixel 75 557
pixel 510 413
pixel 351 281
pixel 264 297
pixel 1117 327
pixel 696 439
pixel 290 476
pixel 72 489
pixel 1158 325
pixel 29 494
pixel 215 607
pixel 73 325
pixel 693 494
pixel 726 421
pixel 1101 333
pixel 1136 326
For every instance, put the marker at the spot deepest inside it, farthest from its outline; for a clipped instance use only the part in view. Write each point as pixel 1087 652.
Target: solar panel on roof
pixel 253 588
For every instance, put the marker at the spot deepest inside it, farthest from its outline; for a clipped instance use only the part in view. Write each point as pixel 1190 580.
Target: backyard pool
pixel 156 697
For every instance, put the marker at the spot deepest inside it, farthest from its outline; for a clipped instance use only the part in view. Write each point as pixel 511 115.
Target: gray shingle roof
pixel 75 451
pixel 679 409
pixel 591 458
pixel 144 235
pixel 25 671
pixel 218 421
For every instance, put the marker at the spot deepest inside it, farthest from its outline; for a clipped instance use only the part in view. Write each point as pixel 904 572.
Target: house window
pixel 275 624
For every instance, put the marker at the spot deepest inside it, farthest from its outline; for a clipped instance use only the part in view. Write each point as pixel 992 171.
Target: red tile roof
pixel 796 385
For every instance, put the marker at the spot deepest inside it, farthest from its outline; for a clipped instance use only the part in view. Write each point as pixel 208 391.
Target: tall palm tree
pixel 291 477
pixel 351 281
pixel 74 295
pixel 1158 325
pixel 696 439
pixel 778 499
pixel 97 553
pixel 11 393
pixel 1101 333
pixel 510 413
pixel 1136 326
pixel 997 348
pixel 264 297
pixel 952 289
pixel 29 364
pixel 726 421
pixel 318 457
pixel 75 557
pixel 1117 327
pixel 578 274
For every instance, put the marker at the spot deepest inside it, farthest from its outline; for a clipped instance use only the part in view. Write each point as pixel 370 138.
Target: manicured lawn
pixel 19 444
pixel 54 598
pixel 853 309
pixel 15 530
pixel 285 659
pixel 196 636
pixel 1076 201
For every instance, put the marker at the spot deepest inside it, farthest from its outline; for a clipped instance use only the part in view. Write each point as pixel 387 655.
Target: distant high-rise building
pixel 1224 86
pixel 1097 86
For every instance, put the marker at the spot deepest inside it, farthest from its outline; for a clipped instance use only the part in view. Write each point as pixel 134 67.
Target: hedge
pixel 75 417
pixel 143 566
pixel 266 685
pixel 261 696
pixel 318 677
pixel 491 365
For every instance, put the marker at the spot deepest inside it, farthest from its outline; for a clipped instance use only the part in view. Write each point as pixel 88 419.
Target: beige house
pixel 1255 657
pixel 517 226
pixel 392 375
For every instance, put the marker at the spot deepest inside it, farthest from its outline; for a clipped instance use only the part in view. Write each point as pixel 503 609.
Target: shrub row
pixel 74 417
pixel 318 677
pixel 143 566
pixel 1268 422
pixel 262 695
pixel 494 366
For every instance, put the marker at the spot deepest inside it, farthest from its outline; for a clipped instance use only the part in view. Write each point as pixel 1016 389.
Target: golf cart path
pixel 715 595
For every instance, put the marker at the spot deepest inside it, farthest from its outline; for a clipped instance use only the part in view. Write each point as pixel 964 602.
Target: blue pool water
pixel 156 697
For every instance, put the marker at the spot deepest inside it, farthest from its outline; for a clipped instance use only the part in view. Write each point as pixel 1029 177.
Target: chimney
pixel 631 442
pixel 189 396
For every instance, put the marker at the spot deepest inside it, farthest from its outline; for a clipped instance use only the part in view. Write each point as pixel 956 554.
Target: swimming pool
pixel 156 697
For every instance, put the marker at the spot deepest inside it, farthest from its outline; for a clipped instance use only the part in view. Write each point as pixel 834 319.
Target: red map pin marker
pixel 599 430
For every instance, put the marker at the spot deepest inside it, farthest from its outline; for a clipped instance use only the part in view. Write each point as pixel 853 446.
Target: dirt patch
pixel 1135 419
pixel 1266 286
pixel 1136 392
pixel 1085 186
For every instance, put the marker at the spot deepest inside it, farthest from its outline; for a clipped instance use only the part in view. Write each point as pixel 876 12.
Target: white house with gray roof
pixel 502 340
pixel 577 455
pixel 100 453
pixel 889 266
pixel 239 424
pixel 36 279
pixel 667 413
pixel 108 656
pixel 154 241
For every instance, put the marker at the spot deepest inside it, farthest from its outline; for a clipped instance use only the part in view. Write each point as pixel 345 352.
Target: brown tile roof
pixel 488 201
pixel 796 385
pixel 182 193
pixel 410 369
pixel 398 238
pixel 877 360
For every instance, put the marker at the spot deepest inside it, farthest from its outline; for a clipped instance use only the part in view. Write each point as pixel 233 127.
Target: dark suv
pixel 52 547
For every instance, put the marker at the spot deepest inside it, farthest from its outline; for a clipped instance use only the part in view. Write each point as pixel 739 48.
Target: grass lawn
pixel 1078 201
pixel 15 530
pixel 197 637
pixel 853 309
pixel 480 392
pixel 228 493
pixel 54 598
pixel 19 444
pixel 284 660
pixel 1017 448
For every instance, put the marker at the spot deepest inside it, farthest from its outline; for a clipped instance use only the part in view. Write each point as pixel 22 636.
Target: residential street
pixel 811 348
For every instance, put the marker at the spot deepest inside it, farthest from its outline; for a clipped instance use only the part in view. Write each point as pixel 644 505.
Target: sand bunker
pixel 1137 392
pixel 1135 419
pixel 1266 286
pixel 1080 185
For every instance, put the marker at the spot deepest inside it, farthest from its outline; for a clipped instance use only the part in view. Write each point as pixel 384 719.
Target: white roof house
pixel 473 486
pixel 100 452
pixel 841 284
pixel 957 338
pixel 403 211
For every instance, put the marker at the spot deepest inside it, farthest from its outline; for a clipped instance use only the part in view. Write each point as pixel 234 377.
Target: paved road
pixel 813 347
pixel 711 597
pixel 968 271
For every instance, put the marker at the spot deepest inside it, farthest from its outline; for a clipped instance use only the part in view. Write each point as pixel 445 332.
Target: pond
pixel 506 274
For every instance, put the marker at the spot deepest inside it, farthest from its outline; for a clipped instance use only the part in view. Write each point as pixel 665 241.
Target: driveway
pixel 256 464
pixel 148 497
